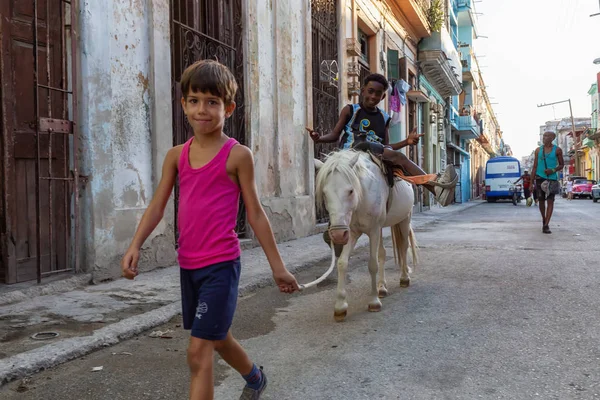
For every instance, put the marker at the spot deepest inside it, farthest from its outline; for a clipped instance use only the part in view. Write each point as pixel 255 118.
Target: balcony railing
pixel 417 12
pixel 470 66
pixel 440 63
pixel 424 4
pixel 468 127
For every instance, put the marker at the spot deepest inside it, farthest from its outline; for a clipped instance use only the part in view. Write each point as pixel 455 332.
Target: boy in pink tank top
pixel 213 171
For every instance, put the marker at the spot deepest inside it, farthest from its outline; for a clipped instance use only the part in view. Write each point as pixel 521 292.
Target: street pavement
pixel 495 310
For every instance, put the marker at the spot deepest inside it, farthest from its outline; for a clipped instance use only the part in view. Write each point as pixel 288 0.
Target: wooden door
pixel 36 140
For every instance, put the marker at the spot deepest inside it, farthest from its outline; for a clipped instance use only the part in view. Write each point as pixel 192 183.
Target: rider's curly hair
pixel 377 78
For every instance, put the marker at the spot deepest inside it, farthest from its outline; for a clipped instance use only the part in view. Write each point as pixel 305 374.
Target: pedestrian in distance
pixel 213 171
pixel 526 178
pixel 548 160
pixel 569 189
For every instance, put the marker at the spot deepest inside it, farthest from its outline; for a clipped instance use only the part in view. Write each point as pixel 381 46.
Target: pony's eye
pixel 351 191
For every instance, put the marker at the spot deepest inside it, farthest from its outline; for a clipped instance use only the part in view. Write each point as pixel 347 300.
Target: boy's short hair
pixel 209 76
pixel 377 78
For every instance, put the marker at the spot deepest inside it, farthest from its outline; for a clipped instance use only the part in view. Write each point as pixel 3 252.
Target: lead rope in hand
pixel 325 275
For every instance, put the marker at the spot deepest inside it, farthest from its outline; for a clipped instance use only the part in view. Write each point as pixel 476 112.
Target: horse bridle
pixel 338 228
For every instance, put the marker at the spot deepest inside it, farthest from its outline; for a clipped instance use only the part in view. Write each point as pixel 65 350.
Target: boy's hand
pixel 313 135
pixel 286 281
pixel 129 263
pixel 549 171
pixel 413 137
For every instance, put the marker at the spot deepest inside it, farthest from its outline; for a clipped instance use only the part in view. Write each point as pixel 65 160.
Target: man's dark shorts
pixel 527 192
pixel 541 195
pixel 209 298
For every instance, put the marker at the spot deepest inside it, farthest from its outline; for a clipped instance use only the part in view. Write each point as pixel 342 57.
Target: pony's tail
pixel 396 242
pixel 414 247
pixel 397 239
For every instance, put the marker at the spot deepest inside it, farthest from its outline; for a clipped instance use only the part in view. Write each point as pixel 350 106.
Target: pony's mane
pixel 341 162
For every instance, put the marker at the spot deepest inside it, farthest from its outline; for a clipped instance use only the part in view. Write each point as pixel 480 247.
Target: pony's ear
pixel 318 164
pixel 354 160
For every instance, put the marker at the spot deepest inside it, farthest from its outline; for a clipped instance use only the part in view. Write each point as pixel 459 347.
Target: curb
pixel 48 356
pixel 51 355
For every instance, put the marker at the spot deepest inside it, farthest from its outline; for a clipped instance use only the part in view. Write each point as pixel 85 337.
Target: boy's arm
pixel 335 134
pixel 244 163
pixel 153 215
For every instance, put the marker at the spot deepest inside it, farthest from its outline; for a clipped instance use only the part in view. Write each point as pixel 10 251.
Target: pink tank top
pixel 207 212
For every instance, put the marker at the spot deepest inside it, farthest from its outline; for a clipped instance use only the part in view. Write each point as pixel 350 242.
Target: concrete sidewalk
pixel 91 317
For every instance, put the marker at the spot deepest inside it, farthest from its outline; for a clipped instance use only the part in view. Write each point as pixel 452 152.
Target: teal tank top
pixel 551 162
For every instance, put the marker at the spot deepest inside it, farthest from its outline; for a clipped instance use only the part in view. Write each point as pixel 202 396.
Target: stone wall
pixel 279 100
pixel 126 122
pixel 125 127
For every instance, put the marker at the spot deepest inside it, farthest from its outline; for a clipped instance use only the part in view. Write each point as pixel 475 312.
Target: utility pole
pixel 577 172
pixel 596 14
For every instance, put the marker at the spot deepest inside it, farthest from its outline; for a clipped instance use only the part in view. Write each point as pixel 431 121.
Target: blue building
pixel 463 113
pixel 442 82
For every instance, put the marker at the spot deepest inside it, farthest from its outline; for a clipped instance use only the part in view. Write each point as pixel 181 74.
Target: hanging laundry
pixel 396 117
pixel 395 100
pixel 403 87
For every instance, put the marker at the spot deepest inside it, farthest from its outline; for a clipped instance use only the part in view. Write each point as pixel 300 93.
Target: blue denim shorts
pixel 209 299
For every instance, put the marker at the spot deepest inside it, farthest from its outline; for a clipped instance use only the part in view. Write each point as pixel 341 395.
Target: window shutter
pixel 393 64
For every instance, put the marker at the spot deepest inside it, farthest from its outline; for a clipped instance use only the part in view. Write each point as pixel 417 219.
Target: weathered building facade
pixel 127 58
pixel 84 145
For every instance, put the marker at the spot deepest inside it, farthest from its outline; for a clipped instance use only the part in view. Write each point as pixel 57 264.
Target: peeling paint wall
pixel 126 122
pixel 278 36
pixel 125 128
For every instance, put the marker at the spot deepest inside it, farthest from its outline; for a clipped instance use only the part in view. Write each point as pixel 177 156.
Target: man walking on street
pixel 547 161
pixel 526 178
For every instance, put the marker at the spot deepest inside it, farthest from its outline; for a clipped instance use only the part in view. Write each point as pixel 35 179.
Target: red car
pixel 583 188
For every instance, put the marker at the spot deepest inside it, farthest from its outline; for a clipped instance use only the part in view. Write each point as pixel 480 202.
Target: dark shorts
pixel 541 195
pixel 209 298
pixel 527 192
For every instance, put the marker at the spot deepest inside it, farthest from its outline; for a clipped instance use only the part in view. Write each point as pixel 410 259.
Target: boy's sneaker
pixel 445 185
pixel 254 394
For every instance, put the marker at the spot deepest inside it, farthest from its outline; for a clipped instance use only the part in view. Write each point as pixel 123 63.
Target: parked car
pixel 583 188
pixel 564 186
pixel 595 193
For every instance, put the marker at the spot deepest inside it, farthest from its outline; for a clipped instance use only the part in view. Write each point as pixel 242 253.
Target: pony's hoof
pixel 404 282
pixel 340 316
pixel 375 307
pixel 382 293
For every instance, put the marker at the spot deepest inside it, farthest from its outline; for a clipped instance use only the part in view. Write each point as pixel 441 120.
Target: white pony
pixel 355 193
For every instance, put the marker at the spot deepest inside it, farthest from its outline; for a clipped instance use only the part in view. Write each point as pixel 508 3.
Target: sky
pixel 537 51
